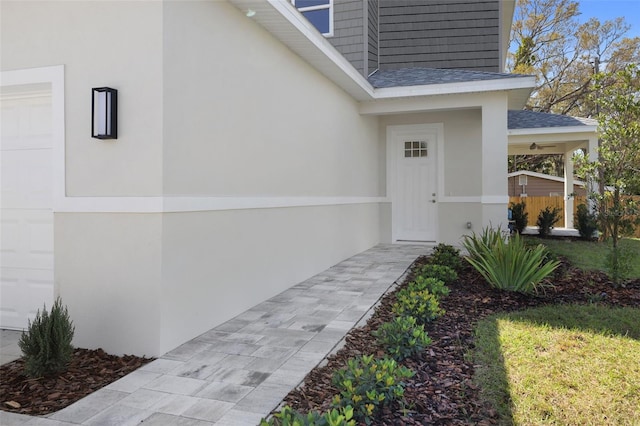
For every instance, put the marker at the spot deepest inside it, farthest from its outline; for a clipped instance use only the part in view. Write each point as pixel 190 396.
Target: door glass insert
pixel 414 149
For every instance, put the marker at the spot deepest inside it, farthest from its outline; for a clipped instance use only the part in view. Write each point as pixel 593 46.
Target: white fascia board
pixel 283 20
pixel 553 130
pixel 514 83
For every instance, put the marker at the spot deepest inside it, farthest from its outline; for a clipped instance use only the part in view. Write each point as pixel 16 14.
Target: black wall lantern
pixel 104 113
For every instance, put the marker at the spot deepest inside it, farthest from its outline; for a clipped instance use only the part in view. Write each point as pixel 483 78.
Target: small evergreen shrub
pixel 440 272
pixel 509 265
pixel 519 216
pixel 402 337
pixel 586 222
pixel 546 219
pixel 432 285
pixel 446 255
pixel 421 305
pixel 287 416
pixel 46 346
pixel 619 263
pixel 367 384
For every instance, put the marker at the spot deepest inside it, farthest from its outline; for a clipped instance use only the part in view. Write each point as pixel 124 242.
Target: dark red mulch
pixel 442 391
pixel 89 370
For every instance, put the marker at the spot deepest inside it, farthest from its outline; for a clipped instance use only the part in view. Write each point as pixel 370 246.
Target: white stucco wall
pixel 217 264
pixel 114 44
pixel 246 117
pixel 108 273
pixel 211 107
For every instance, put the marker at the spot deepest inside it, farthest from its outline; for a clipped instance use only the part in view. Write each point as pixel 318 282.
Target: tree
pixel 618 163
pixel 564 55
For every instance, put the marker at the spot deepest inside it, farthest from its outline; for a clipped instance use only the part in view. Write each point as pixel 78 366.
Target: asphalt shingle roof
pixel 534 120
pixel 424 76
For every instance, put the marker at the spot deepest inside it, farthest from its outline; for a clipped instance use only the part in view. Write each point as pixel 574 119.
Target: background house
pixel 252 151
pixel 533 184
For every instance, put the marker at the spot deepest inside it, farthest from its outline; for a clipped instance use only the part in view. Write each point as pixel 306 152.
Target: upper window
pixel 318 12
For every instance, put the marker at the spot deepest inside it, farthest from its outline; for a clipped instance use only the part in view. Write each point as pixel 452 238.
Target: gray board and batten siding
pixel 355 33
pixel 455 34
pixel 445 34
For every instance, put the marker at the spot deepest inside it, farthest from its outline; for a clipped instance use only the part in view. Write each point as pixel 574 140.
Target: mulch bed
pixel 442 391
pixel 89 370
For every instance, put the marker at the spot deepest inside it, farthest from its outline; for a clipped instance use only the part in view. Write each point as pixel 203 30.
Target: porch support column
pixel 568 190
pixel 592 187
pixel 495 198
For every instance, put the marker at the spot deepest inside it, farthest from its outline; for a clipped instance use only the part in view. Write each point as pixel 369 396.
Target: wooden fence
pixel 535 204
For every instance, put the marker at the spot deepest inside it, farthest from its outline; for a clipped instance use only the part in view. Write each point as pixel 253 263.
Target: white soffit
pixel 281 19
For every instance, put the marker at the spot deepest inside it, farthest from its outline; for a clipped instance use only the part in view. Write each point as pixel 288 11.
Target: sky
pixel 611 9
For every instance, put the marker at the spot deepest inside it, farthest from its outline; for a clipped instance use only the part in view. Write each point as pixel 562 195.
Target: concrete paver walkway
pixel 236 373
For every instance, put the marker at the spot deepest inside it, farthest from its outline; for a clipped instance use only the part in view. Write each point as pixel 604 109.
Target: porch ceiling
pixel 541 133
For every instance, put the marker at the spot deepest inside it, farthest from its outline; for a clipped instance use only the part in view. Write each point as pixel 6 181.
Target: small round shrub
pixel 446 255
pixel 367 384
pixel 287 416
pixel 402 337
pixel 421 305
pixel 432 285
pixel 440 272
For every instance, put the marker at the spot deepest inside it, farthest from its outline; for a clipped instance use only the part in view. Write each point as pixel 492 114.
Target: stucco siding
pixel 218 264
pixel 460 34
pixel 261 121
pixel 108 273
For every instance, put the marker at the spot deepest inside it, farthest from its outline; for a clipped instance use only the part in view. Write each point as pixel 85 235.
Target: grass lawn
pixel 591 255
pixel 568 365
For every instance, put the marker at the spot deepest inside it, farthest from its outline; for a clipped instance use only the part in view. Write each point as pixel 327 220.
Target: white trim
pixel 178 204
pixel 495 199
pixel 455 88
pixel 552 130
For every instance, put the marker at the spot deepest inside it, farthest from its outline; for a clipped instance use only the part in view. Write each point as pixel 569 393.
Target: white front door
pixel 26 207
pixel 414 197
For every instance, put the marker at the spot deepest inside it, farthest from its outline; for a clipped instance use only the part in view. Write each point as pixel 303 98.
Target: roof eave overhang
pixel 283 21
pixel 586 129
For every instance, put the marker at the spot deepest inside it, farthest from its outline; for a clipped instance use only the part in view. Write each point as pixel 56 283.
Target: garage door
pixel 26 214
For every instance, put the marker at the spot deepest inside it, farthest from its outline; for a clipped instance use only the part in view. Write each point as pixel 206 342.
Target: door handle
pixel 433 201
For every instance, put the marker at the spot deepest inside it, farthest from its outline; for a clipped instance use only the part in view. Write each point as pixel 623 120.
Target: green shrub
pixel 432 285
pixel 46 346
pixel 402 337
pixel 446 255
pixel 421 305
pixel 586 222
pixel 519 216
pixel 287 416
pixel 619 263
pixel 440 272
pixel 508 266
pixel 546 219
pixel 367 385
pixel 478 244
